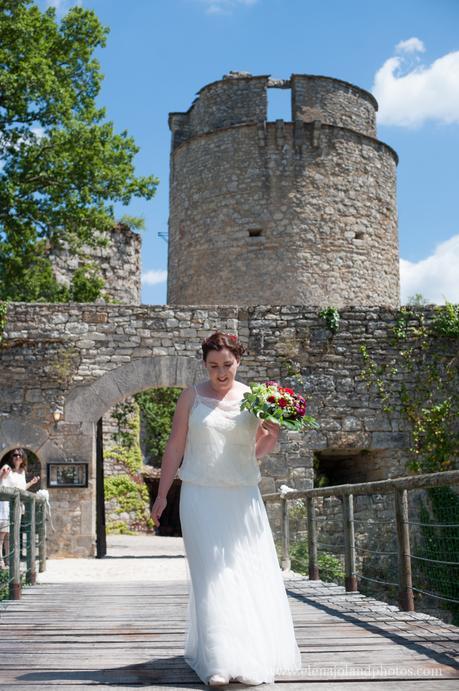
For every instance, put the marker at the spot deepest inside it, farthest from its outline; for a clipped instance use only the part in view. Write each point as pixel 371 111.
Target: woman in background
pixel 18 463
pixel 5 473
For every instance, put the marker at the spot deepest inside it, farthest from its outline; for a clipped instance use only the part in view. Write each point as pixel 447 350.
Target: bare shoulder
pixel 186 397
pixel 182 410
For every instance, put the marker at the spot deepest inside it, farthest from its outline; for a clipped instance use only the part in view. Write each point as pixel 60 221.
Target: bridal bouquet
pixel 278 404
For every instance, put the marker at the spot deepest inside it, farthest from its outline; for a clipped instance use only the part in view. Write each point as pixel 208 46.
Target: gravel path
pixel 129 558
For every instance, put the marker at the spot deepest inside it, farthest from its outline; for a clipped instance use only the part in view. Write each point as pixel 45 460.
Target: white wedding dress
pixel 238 620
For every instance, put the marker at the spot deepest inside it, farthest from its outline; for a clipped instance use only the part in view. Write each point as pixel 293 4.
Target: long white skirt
pixel 238 618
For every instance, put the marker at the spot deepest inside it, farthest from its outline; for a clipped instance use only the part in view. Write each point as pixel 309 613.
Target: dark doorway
pixel 101 538
pixel 343 466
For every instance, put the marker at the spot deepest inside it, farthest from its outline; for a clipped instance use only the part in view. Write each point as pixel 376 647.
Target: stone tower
pixel 300 212
pixel 118 263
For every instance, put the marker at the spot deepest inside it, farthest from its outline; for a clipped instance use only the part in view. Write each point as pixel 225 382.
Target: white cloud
pixel 436 278
pixel 411 45
pixel 61 6
pixel 154 277
pixel 409 93
pixel 225 6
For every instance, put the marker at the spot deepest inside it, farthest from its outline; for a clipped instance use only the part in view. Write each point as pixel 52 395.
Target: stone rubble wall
pixel 86 358
pixel 222 104
pixel 324 236
pixel 300 212
pixel 118 264
pixel 334 102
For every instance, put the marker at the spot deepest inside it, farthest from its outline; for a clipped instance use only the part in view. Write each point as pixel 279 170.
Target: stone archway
pixel 84 407
pixel 17 432
pixel 88 403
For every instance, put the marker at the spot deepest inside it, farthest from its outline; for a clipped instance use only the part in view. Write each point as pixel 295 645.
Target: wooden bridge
pixel 127 634
pixel 121 621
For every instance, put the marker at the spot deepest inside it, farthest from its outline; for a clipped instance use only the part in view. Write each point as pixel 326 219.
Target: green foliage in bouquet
pixel 280 405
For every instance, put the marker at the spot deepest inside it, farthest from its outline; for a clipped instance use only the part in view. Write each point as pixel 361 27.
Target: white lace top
pixel 220 444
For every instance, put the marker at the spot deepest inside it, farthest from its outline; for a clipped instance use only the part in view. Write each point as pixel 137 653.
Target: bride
pixel 239 624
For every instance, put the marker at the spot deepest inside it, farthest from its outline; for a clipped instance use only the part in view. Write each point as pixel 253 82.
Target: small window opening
pixel 255 232
pixel 359 235
pixel 279 105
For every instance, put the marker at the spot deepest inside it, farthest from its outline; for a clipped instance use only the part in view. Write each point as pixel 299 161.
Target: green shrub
pixel 330 567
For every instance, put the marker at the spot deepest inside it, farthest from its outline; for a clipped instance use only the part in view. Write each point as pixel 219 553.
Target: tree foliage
pixel 157 408
pixel 62 164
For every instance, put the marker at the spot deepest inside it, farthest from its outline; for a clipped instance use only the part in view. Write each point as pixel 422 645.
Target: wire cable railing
pixel 27 528
pixel 426 563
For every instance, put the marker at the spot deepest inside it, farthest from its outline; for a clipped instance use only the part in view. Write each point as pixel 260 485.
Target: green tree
pixel 62 164
pixel 157 408
pixel 417 300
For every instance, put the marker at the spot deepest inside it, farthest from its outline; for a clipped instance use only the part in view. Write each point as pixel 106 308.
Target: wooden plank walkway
pixel 126 635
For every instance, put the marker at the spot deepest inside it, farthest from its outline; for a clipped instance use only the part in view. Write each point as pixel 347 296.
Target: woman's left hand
pixel 271 427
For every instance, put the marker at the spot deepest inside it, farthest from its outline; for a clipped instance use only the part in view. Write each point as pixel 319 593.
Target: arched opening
pixel 90 405
pixel 134 435
pixel 26 474
pixel 28 471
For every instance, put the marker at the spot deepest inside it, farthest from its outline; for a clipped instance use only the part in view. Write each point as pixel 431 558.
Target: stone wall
pixel 86 358
pixel 333 102
pixel 314 235
pixel 118 264
pixel 300 213
pixel 231 101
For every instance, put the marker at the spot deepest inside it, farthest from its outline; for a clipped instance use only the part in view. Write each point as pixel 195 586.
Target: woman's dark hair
pixel 220 340
pixel 23 456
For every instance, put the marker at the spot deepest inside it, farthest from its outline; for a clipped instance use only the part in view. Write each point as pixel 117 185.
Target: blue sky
pixel 159 53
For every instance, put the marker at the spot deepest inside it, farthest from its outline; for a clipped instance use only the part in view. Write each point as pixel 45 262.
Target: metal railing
pixel 30 523
pixel 399 488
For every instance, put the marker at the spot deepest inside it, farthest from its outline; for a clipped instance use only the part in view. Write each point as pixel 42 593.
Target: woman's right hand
pixel 157 509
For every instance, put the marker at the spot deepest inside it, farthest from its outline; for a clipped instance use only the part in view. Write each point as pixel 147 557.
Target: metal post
pixel 405 593
pixel 41 507
pixel 312 540
pixel 350 578
pixel 31 550
pixel 286 564
pixel 14 558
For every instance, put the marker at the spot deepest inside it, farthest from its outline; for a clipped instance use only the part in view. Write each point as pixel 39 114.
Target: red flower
pixel 290 391
pixel 282 402
pixel 271 399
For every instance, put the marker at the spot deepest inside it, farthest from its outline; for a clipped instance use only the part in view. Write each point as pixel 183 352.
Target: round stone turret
pixel 298 212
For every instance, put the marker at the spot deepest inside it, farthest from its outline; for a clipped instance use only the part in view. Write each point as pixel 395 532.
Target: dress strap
pixel 197 397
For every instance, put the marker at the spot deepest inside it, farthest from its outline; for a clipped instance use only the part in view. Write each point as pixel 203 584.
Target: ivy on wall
pixel 156 408
pixel 132 497
pixel 420 382
pixel 331 317
pixel 127 488
pixel 3 318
